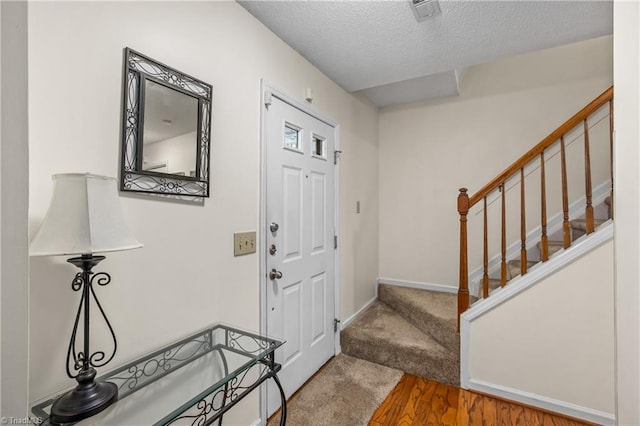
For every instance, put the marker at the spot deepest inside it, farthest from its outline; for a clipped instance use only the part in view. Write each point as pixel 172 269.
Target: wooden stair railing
pixel 466 202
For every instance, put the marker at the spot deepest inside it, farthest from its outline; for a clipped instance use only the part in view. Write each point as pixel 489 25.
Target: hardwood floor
pixel 418 401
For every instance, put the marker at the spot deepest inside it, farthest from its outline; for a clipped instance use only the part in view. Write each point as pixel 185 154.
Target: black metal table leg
pixel 226 385
pixel 283 399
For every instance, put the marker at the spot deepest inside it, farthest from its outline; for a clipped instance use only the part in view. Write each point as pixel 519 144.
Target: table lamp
pixel 84 218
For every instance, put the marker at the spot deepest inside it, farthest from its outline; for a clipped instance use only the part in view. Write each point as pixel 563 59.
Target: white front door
pixel 300 261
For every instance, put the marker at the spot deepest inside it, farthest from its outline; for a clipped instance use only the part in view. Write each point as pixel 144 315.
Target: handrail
pixel 534 152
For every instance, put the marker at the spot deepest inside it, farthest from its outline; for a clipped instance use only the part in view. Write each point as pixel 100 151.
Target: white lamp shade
pixel 84 217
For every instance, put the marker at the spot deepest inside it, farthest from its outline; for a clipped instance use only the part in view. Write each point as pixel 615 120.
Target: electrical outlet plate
pixel 244 243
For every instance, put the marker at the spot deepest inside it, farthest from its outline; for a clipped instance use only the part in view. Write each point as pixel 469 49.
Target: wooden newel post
pixel 463 290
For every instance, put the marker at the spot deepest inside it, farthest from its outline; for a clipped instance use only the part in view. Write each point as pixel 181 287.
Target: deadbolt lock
pixel 273 227
pixel 272 250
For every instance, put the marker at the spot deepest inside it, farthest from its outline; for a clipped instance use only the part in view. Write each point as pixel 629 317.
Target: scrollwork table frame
pixel 194 381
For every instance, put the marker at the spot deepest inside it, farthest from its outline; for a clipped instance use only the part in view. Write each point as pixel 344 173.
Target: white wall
pixel 627 237
pixel 555 339
pixel 185 276
pixel 14 175
pixel 428 150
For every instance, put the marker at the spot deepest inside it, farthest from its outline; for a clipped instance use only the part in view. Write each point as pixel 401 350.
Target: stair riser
pixel 444 370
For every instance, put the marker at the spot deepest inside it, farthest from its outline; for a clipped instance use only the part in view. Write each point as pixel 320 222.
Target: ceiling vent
pixel 425 9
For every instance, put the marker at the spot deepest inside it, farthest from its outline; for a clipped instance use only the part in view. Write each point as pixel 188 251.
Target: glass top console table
pixel 191 382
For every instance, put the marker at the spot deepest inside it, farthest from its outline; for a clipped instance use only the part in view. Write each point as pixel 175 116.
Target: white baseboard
pixel 257 422
pixel 546 403
pixel 419 285
pixel 345 323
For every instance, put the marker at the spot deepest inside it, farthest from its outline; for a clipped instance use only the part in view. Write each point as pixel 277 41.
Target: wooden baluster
pixel 544 240
pixel 485 276
pixel 611 151
pixel 503 263
pixel 463 290
pixel 566 227
pixel 587 180
pixel 523 227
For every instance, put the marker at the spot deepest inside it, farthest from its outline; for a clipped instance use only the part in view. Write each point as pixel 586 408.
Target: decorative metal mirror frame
pixel 137 69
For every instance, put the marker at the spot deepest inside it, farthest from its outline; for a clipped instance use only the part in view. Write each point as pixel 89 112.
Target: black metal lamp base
pixel 88 398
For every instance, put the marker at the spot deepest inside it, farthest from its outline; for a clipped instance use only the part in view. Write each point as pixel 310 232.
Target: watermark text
pixel 29 420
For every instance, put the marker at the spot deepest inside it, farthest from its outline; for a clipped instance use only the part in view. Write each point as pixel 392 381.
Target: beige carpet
pixel 345 393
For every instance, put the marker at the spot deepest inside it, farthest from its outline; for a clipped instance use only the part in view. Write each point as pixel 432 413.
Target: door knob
pixel 275 275
pixel 272 250
pixel 274 227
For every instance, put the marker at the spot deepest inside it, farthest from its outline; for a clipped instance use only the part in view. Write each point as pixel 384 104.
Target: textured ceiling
pixel 368 44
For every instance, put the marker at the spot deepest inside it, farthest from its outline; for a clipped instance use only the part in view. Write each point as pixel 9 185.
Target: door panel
pixel 292 212
pixel 318 308
pixel 318 212
pixel 292 332
pixel 300 199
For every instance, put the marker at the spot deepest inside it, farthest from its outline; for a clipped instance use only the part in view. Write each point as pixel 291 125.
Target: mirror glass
pixel 170 133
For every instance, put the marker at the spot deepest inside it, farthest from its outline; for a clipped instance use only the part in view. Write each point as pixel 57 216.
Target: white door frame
pixel 266 91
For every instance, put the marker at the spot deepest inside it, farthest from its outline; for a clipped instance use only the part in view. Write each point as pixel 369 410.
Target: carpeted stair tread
pixel 581 224
pixel 514 267
pixel 383 336
pixel 554 247
pixel 434 313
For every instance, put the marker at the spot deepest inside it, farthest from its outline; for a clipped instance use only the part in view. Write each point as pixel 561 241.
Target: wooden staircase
pixel 416 330
pixel 494 191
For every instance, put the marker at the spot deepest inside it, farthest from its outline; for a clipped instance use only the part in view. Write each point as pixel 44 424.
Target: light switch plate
pixel 244 243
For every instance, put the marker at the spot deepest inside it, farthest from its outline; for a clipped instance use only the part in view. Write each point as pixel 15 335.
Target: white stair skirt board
pixel 554 224
pixel 345 323
pixel 543 402
pixel 257 422
pixel 501 295
pixel 419 285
